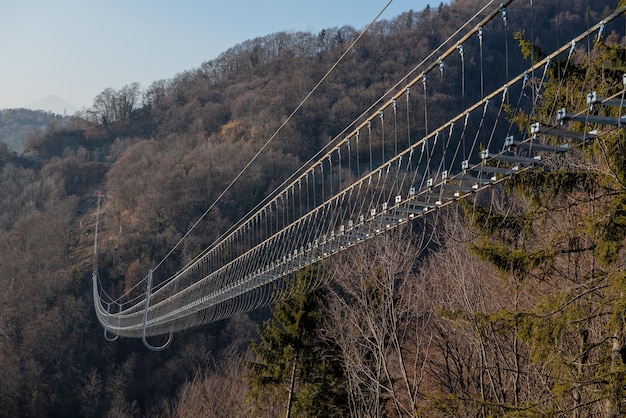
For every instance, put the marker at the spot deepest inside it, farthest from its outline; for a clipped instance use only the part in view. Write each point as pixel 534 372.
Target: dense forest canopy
pixel 516 311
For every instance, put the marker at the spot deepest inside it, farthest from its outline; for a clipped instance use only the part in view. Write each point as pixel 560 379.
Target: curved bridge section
pixel 381 173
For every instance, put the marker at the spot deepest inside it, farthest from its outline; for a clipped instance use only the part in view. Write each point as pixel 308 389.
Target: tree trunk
pixel 292 384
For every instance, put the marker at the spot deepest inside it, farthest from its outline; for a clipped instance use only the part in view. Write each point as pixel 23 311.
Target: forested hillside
pixel 16 124
pixel 513 304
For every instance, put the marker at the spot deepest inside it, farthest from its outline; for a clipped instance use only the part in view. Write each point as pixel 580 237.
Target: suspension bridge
pixel 379 173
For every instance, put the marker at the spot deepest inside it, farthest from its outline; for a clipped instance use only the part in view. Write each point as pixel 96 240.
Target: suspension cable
pixel 267 143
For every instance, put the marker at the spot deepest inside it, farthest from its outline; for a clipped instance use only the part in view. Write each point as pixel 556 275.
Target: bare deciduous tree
pixel 217 393
pixel 379 318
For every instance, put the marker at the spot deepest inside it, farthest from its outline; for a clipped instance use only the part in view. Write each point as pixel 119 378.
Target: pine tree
pixel 563 245
pixel 295 368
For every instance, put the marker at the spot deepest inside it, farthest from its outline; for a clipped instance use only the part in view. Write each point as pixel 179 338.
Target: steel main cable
pixel 476 15
pixel 265 145
pixel 313 160
pixel 534 67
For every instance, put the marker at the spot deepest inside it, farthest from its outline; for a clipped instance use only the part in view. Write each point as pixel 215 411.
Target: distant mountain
pixel 53 104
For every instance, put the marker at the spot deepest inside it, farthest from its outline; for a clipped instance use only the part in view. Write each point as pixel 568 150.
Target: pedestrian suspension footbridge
pixel 394 164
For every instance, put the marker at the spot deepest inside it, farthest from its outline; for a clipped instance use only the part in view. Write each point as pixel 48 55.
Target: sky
pixel 75 49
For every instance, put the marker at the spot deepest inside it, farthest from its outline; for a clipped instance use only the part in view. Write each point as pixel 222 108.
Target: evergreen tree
pixel 295 368
pixel 562 243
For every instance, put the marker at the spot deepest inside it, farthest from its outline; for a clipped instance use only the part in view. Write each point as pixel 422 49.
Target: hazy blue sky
pixel 76 48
